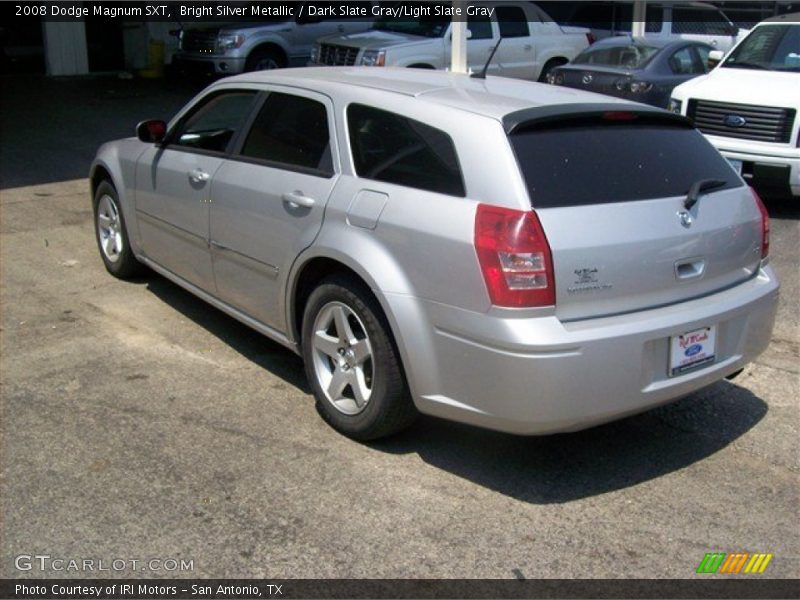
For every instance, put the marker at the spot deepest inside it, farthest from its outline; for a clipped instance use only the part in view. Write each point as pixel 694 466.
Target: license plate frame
pixel 692 350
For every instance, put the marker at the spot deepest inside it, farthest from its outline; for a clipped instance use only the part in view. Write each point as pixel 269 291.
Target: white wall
pixel 65 48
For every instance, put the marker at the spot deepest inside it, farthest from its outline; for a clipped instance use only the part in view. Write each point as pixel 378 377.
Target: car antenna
pixel 482 74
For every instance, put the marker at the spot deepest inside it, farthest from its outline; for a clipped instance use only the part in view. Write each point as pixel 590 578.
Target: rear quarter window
pixel 597 162
pixel 395 149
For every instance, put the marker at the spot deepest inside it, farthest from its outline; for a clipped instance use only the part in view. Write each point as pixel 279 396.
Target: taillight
pixel 764 225
pixel 514 256
pixel 590 38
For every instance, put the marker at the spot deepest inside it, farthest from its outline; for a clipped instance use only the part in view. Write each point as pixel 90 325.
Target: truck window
pixel 480 28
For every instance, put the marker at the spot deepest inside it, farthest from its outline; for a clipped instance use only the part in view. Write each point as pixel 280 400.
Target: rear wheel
pixel 112 234
pixel 352 363
pixel 549 66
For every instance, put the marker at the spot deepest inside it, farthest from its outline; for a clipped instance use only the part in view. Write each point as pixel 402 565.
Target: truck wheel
pixel 263 59
pixel 112 235
pixel 352 363
pixel 549 66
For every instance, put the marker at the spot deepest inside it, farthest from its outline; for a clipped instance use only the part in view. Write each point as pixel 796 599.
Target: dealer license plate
pixel 692 350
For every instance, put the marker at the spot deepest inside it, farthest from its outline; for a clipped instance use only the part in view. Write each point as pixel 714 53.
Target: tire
pixel 111 234
pixel 354 369
pixel 264 59
pixel 549 66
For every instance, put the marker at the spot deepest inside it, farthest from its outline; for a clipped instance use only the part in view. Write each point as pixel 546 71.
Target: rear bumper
pixel 539 375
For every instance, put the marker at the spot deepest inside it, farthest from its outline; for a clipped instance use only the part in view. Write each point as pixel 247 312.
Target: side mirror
pixel 152 131
pixel 714 58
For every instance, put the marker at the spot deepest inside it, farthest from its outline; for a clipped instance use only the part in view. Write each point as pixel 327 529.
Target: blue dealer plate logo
pixel 693 349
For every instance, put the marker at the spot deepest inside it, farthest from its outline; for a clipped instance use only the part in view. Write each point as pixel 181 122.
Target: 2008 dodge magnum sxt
pixel 509 254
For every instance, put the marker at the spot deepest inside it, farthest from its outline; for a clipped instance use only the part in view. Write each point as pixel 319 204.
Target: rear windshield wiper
pixel 698 187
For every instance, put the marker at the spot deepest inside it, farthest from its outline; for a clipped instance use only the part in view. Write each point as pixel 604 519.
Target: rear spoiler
pixel 543 116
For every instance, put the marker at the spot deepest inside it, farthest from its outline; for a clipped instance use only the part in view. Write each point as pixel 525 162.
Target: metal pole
pixel 639 18
pixel 458 54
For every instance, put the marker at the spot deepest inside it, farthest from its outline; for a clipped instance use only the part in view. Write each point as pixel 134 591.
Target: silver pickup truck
pixel 532 43
pixel 240 47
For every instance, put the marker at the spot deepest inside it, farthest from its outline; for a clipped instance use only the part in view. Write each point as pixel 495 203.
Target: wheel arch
pixel 106 168
pixel 310 273
pixel 98 174
pixel 551 63
pixel 270 45
pixel 387 282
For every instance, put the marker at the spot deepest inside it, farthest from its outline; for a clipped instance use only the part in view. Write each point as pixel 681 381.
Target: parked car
pixel 532 43
pixel 241 47
pixel 641 69
pixel 748 105
pixel 514 255
pixel 690 21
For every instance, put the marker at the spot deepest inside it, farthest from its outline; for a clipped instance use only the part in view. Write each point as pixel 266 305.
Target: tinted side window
pixel 682 62
pixel 392 148
pixel 702 53
pixel 591 162
pixel 214 123
pixel 480 28
pixel 512 21
pixel 291 130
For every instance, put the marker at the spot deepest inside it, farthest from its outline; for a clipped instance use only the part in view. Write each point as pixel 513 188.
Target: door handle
pixel 297 198
pixel 527 47
pixel 198 175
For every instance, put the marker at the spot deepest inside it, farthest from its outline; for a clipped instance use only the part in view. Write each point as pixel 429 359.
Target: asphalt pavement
pixel 139 423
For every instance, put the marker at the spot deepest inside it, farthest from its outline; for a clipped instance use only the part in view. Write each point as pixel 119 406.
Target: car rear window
pixel 597 162
pixel 631 56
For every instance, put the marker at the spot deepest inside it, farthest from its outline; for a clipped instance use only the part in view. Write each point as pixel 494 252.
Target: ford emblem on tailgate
pixel 735 121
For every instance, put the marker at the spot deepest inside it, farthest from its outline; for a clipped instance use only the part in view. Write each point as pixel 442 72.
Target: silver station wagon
pixel 508 254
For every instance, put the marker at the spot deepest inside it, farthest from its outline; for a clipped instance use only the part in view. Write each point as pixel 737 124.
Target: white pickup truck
pixel 748 105
pixel 532 43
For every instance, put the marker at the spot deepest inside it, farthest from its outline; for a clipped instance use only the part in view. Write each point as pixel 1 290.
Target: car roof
pixel 493 97
pixel 627 40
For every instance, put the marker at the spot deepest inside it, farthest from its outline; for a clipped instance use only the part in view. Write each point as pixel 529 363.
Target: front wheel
pixel 352 363
pixel 264 59
pixel 112 235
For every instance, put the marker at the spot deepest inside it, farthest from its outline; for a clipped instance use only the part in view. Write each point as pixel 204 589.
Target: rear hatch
pixel 610 187
pixel 596 79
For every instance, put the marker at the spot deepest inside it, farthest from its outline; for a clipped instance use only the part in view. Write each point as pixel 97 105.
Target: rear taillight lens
pixel 514 256
pixel 764 225
pixel 590 38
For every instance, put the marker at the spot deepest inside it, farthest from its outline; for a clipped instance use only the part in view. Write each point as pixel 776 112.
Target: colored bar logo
pixel 734 563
